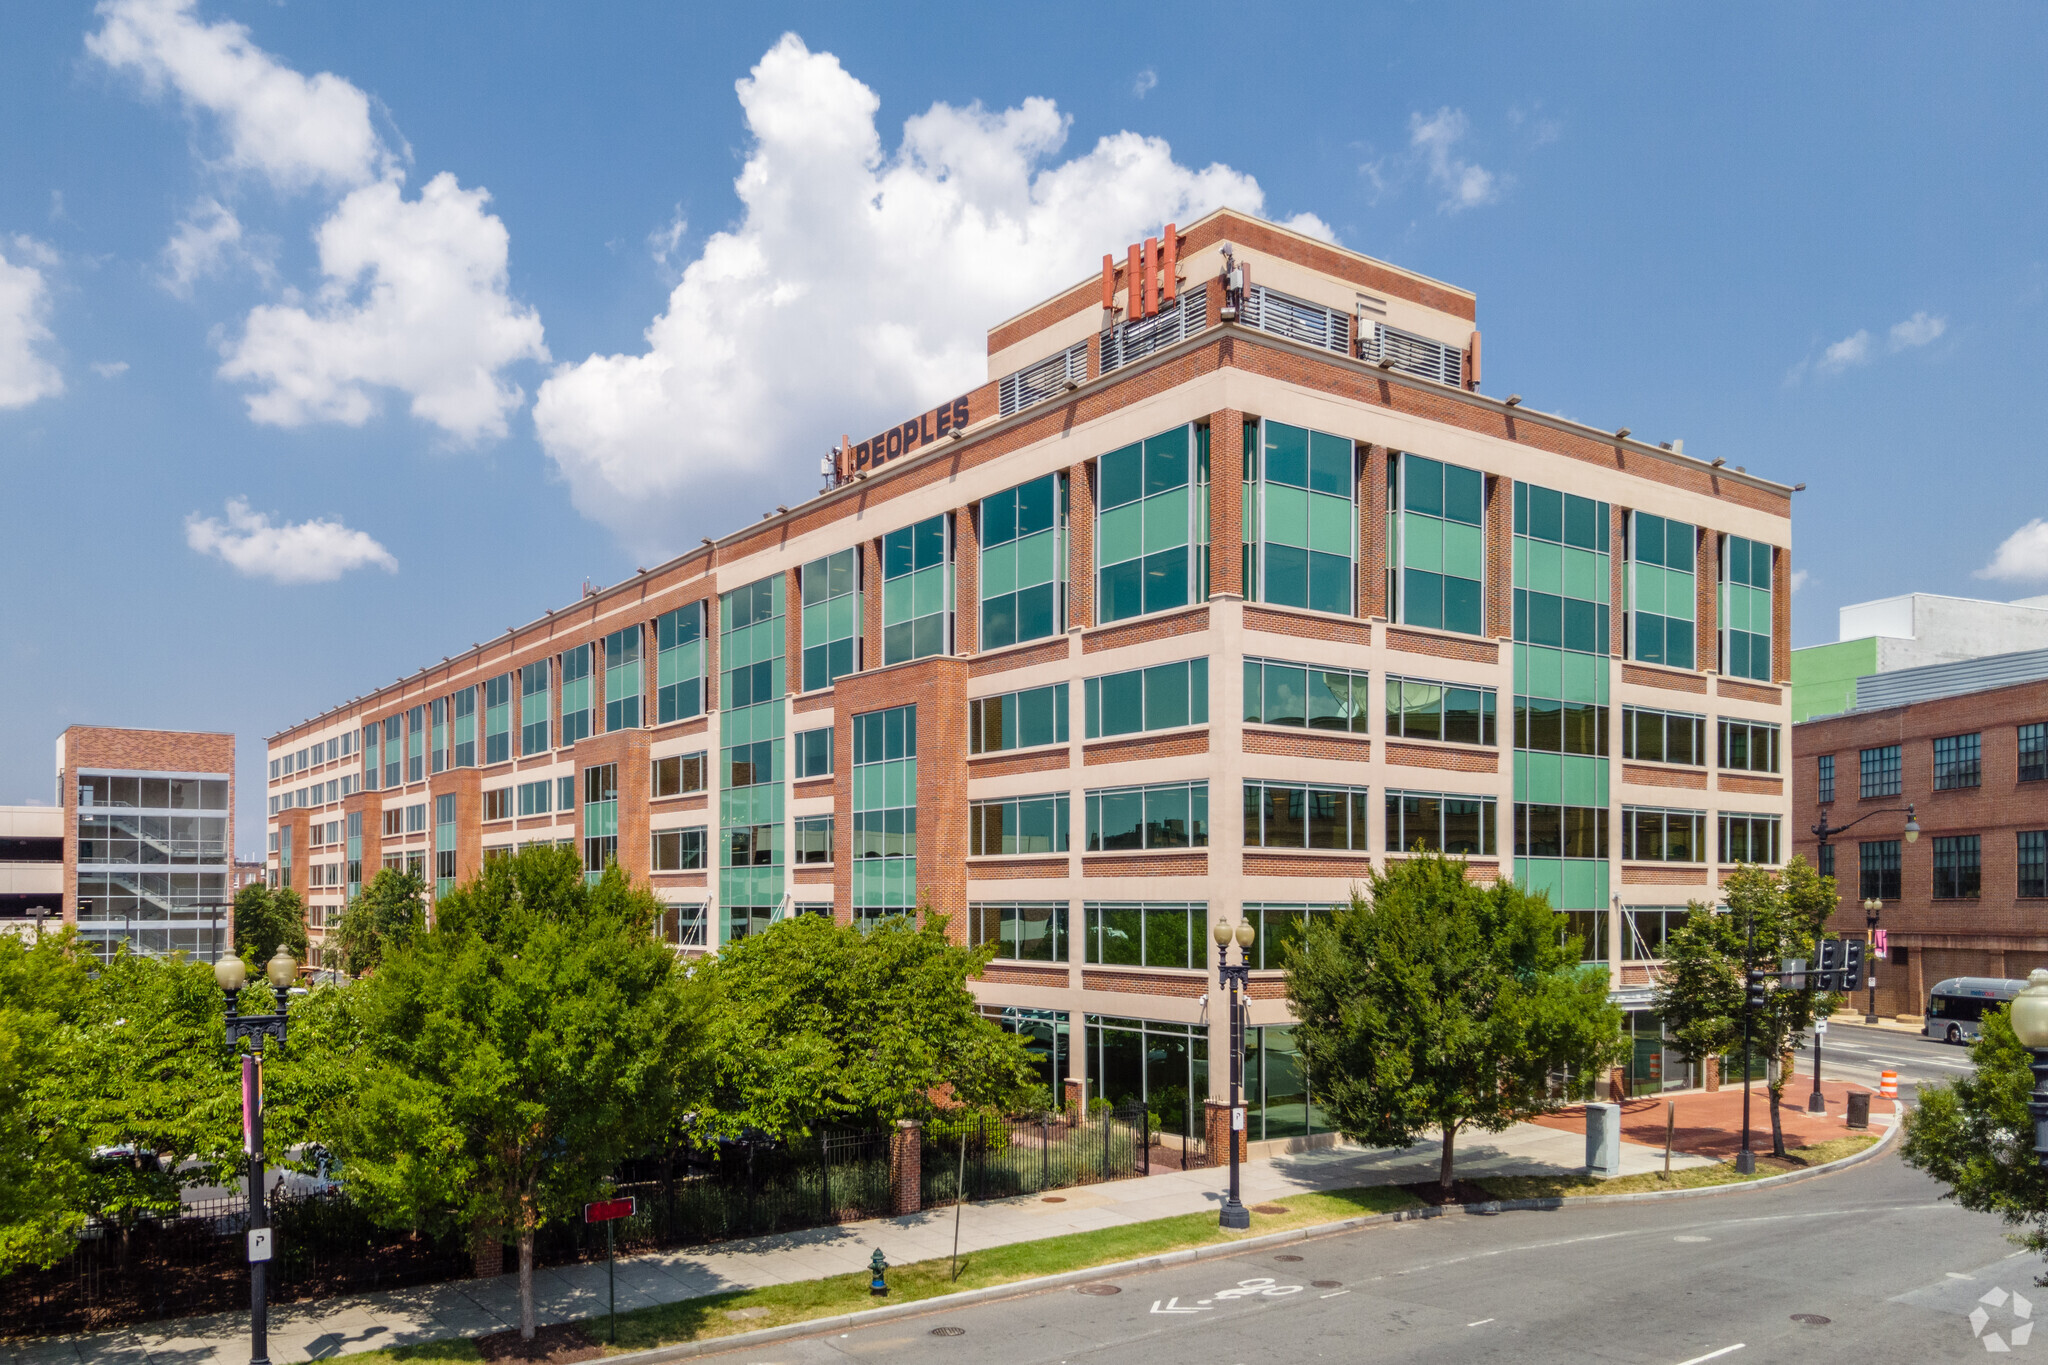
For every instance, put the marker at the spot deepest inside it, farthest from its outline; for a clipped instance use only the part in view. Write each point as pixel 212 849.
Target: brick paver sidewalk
pixel 1709 1123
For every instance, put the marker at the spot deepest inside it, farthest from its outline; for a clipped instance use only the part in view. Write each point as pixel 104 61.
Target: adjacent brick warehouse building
pixel 1226 587
pixel 1970 896
pixel 149 837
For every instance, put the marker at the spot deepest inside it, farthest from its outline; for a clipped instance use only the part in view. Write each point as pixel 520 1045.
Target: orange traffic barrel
pixel 1888 1084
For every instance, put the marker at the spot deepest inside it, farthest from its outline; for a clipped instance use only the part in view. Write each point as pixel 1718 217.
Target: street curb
pixel 1018 1288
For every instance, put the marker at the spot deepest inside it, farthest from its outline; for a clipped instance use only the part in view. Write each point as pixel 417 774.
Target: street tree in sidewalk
pixel 1772 915
pixel 1974 1134
pixel 388 913
pixel 1433 1003
pixel 508 1059
pixel 44 994
pixel 818 1024
pixel 265 918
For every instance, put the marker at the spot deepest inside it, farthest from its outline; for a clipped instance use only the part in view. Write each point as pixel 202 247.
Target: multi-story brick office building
pixel 1966 744
pixel 1035 662
pixel 148 825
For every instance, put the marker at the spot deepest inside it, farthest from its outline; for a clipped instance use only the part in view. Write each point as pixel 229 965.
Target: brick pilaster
pixel 1216 1133
pixel 1226 501
pixel 1081 546
pixel 1075 1095
pixel 1617 578
pixel 1372 530
pixel 870 605
pixel 1781 615
pixel 793 632
pixel 1499 531
pixel 966 582
pixel 1707 603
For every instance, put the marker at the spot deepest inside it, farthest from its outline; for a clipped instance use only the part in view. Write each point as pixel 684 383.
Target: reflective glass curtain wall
pixel 1435 514
pixel 1152 525
pixel 1024 563
pixel 751 862
pixel 1301 506
pixel 885 813
pixel 1562 678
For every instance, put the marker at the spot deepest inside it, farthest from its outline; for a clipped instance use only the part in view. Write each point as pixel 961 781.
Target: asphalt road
pixel 1892 1270
pixel 1858 1053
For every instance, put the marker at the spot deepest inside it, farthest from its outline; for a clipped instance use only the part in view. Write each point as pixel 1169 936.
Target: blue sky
pixel 334 336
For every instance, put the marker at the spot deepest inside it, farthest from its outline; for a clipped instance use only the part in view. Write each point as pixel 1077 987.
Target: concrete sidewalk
pixel 316 1330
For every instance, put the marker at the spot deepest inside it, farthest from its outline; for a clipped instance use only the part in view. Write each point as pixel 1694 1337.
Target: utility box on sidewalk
pixel 1603 1139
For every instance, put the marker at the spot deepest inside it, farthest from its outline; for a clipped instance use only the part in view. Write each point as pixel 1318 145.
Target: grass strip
pixel 1691 1178
pixel 748 1310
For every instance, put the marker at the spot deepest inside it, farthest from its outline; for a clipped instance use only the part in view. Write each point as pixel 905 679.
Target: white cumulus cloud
pixel 1917 330
pixel 1463 184
pixel 855 289
pixel 2022 556
pixel 295 130
pixel 1860 347
pixel 1146 83
pixel 415 299
pixel 26 373
pixel 415 293
pixel 203 241
pixel 316 551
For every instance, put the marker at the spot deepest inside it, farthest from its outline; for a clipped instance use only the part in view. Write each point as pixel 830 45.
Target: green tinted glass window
pixel 1151 528
pixel 1301 499
pixel 917 591
pixel 1024 563
pixel 832 618
pixel 679 663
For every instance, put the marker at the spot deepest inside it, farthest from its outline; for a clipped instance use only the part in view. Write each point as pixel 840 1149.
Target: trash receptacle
pixel 1859 1108
pixel 1603 1139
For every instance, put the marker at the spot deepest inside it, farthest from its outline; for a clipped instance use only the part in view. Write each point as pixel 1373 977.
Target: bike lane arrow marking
pixel 1172 1305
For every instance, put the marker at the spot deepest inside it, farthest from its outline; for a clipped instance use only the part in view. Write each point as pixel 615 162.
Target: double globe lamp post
pixel 1236 981
pixel 231 975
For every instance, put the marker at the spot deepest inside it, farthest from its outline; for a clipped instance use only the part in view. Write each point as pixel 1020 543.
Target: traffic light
pixel 1826 979
pixel 1759 989
pixel 1852 964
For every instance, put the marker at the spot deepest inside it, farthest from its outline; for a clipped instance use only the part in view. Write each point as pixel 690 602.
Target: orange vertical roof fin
pixel 1151 258
pixel 1134 293
pixel 1108 280
pixel 1169 258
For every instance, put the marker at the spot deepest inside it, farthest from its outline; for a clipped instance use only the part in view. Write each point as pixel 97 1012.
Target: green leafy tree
pixel 504 1062
pixel 265 918
pixel 817 1023
pixel 388 913
pixel 1432 1003
pixel 1975 1135
pixel 1772 915
pixel 43 994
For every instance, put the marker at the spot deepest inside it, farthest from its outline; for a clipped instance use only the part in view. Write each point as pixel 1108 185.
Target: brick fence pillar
pixel 490 1257
pixel 1077 1097
pixel 1712 1068
pixel 1216 1131
pixel 906 1149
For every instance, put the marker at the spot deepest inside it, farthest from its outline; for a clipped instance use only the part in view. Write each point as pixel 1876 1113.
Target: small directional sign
pixel 1820 1026
pixel 607 1210
pixel 259 1244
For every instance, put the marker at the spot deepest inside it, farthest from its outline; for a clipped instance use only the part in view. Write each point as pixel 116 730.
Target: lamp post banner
pixel 1880 941
pixel 249 1101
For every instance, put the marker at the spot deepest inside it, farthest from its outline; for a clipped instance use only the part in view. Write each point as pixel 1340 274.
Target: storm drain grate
pixel 1811 1319
pixel 1100 1291
pixel 949 1331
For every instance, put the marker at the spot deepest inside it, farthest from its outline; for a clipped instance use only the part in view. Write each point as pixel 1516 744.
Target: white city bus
pixel 1954 1006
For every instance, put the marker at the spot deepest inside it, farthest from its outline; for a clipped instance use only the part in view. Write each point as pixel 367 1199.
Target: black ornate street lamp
pixel 230 975
pixel 1824 832
pixel 2028 1015
pixel 1237 984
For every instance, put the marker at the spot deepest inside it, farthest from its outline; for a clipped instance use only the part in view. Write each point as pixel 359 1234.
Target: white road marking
pixel 1173 1306
pixel 1954 1276
pixel 1481 1323
pixel 1339 1293
pixel 1713 1355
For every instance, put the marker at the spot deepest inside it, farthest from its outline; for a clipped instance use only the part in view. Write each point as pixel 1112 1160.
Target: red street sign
pixel 605 1210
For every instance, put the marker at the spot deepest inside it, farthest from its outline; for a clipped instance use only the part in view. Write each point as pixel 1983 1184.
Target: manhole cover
pixel 1054 1199
pixel 1327 1284
pixel 1287 1258
pixel 949 1331
pixel 1811 1319
pixel 1269 1208
pixel 1100 1291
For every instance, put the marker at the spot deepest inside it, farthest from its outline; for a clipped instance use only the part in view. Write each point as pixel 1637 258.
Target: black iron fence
pixel 194 1261
pixel 990 1157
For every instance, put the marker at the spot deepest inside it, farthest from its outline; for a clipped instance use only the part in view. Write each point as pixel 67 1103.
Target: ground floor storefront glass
pixel 1046 1038
pixel 1164 1066
pixel 1276 1087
